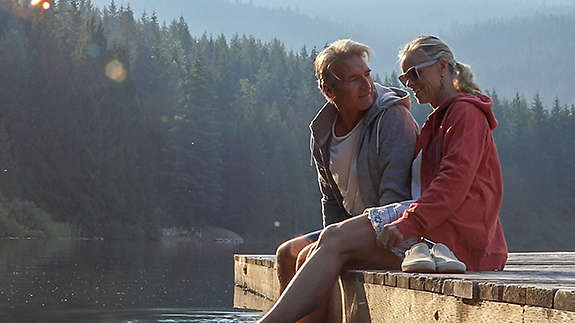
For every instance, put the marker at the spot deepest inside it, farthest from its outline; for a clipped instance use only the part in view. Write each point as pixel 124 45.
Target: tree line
pixel 117 126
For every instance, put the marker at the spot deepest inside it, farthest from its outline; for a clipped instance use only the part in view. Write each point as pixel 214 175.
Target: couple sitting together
pixel 384 188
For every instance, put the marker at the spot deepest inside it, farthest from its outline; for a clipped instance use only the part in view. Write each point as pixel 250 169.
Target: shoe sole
pixel 450 268
pixel 418 267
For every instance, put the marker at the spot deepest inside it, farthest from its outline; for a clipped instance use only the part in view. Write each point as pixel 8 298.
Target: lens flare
pixel 34 3
pixel 46 5
pixel 115 71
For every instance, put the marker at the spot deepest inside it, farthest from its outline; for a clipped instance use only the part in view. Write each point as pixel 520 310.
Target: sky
pixel 369 11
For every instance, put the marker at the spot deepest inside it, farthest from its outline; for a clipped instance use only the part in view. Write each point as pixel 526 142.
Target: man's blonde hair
pixel 338 49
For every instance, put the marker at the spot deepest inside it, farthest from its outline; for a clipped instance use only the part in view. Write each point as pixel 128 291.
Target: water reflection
pixel 116 281
pixel 138 315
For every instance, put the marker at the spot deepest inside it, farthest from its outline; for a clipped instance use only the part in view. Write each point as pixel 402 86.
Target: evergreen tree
pixel 109 122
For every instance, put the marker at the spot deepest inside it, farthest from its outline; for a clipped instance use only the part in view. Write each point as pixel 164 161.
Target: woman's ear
pixel 444 66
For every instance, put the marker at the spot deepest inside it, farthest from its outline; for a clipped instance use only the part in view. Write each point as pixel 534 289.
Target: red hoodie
pixel 461 184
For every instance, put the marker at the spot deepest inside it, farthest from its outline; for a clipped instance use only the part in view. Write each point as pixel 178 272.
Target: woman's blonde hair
pixel 338 49
pixel 434 48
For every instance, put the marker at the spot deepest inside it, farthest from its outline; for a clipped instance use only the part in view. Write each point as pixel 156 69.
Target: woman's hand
pixel 390 236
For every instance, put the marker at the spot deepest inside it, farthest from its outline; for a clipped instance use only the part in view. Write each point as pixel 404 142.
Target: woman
pixel 461 186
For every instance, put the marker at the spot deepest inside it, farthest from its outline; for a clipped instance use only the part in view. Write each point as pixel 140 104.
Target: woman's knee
pixel 332 237
pixel 351 239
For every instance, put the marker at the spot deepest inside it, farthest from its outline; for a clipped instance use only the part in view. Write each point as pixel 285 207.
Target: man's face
pixel 353 87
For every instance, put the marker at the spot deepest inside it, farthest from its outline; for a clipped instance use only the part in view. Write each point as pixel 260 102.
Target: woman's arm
pixel 463 148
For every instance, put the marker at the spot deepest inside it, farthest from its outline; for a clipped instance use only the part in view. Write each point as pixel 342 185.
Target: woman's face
pixel 426 82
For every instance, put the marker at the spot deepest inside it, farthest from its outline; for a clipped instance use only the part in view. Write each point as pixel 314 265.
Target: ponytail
pixel 463 80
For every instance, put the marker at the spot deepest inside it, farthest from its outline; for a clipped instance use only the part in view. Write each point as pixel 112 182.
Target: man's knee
pixel 289 250
pixel 284 252
pixel 303 254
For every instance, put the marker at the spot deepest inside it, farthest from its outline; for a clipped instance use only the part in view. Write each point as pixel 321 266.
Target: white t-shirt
pixel 342 164
pixel 416 177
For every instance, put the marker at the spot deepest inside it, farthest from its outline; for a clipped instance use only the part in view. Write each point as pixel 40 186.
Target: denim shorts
pixel 312 236
pixel 382 215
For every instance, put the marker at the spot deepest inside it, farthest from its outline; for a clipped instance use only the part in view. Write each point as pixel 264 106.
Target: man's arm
pixel 463 149
pixel 331 210
pixel 398 133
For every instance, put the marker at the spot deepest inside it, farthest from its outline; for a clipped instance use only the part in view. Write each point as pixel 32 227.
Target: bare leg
pixel 349 241
pixel 334 307
pixel 329 309
pixel 320 313
pixel 304 253
pixel 286 256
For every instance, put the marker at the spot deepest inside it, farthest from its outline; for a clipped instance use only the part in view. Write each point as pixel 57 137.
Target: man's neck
pixel 346 121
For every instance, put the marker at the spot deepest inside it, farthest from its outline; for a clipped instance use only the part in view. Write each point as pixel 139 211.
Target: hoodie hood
pixel 385 97
pixel 481 101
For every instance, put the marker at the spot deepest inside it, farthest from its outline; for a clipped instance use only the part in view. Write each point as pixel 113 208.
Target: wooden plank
pixel 257 277
pixel 390 279
pixel 354 301
pixel 372 277
pixel 544 268
pixel 465 289
pixel 244 298
pixel 448 286
pixel 389 304
pixel 434 284
pixel 544 283
pixel 541 258
pixel 417 282
pixel 369 277
pixel 540 296
pixel 535 314
pixel 525 258
pixel 564 300
pixel 263 260
pixel 490 291
pixel 514 294
pixel 402 280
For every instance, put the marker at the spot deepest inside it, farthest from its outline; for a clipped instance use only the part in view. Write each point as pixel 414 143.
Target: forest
pixel 513 45
pixel 117 126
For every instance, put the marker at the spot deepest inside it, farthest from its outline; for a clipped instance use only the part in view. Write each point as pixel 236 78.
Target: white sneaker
pixel 418 259
pixel 445 260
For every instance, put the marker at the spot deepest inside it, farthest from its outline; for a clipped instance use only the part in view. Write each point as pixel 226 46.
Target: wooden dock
pixel 534 287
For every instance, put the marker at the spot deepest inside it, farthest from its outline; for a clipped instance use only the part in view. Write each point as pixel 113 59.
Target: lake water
pixel 117 281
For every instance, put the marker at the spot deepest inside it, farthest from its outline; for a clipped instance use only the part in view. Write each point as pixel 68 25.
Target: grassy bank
pixel 21 218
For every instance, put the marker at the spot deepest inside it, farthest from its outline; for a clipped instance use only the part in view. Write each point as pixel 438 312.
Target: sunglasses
pixel 412 73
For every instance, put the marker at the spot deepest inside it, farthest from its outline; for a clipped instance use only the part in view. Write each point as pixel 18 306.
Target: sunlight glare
pixel 34 3
pixel 115 71
pixel 46 5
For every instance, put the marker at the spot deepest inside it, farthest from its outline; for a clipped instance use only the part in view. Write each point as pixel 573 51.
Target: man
pixel 362 140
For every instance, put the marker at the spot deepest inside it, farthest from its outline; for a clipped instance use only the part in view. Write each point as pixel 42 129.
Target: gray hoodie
pixel 387 146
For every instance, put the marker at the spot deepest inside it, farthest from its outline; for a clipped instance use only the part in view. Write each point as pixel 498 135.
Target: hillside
pixel 514 46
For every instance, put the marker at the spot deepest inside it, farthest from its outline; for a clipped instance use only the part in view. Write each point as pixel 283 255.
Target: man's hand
pixel 390 236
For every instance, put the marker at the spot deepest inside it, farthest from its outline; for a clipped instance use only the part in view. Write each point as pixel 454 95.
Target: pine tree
pixel 195 151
